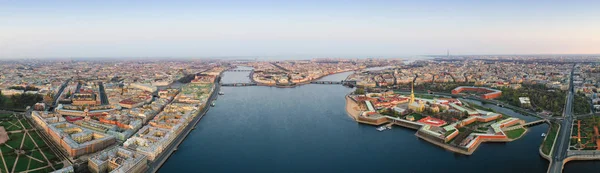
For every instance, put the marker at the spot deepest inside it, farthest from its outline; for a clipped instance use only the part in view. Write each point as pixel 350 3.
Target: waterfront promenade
pixel 172 147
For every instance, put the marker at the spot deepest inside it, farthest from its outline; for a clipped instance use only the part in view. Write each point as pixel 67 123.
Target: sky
pixel 288 28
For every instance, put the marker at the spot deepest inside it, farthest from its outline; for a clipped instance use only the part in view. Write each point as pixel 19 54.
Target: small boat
pixel 382 128
pixel 212 104
pixel 221 93
pixel 389 127
pixel 543 134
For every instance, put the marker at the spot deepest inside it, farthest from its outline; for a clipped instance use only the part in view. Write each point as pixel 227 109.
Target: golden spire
pixel 412 93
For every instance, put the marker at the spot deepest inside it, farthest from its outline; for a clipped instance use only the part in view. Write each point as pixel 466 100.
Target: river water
pixel 306 129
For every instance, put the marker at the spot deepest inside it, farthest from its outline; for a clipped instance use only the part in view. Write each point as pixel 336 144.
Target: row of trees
pixel 541 97
pixel 27 88
pixel 581 104
pixel 435 87
pixel 187 78
pixel 19 101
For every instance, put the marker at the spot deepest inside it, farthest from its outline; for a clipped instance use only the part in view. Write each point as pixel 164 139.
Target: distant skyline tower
pixel 447 53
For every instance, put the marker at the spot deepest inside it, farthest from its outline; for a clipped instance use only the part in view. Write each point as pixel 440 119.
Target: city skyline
pixel 308 29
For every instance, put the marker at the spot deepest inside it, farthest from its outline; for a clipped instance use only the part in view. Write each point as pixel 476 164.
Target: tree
pixel 359 91
pixel 1 99
pixel 68 94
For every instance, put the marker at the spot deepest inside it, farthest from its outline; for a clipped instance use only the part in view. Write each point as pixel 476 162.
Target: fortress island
pixel 456 125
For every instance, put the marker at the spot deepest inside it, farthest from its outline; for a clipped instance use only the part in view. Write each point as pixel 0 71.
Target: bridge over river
pixel 345 82
pixel 238 84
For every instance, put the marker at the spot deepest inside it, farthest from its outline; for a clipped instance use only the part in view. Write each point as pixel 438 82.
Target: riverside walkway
pixel 172 147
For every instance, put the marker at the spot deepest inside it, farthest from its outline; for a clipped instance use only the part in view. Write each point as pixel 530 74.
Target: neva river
pixel 306 129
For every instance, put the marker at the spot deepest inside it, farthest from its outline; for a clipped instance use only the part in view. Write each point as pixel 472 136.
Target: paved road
pixel 561 146
pixel 103 97
pixel 62 88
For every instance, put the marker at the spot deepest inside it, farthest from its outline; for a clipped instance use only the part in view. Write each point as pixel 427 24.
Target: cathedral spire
pixel 412 92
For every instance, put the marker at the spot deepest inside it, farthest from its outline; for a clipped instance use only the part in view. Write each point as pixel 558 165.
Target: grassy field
pixel 475 106
pixel 417 116
pixel 547 144
pixel 36 155
pixel 515 133
pixel 3 115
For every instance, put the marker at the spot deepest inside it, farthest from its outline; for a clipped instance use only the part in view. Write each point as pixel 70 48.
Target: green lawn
pixel 37 154
pixel 28 143
pixel 10 161
pixel 22 163
pixel 15 140
pixel 449 132
pixel 3 115
pixel 425 96
pixel 476 106
pixel 547 144
pixel 515 133
pixel 25 163
pixel 11 125
pixel 37 139
pixel 417 116
pixel 27 125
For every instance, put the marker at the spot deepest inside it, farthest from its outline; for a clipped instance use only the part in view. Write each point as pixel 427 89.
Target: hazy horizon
pixel 308 29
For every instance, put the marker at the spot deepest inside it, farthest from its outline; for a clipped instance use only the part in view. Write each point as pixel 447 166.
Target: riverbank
pixel 258 83
pixel 352 108
pixel 173 146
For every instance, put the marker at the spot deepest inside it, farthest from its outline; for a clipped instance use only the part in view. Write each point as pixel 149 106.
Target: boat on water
pixel 221 93
pixel 389 127
pixel 543 134
pixel 212 104
pixel 382 128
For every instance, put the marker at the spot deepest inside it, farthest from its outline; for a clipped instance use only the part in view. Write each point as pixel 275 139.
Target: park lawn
pixel 37 139
pixel 26 124
pixel 49 154
pixel 22 163
pixel 425 96
pixel 513 134
pixel 449 132
pixel 28 143
pixel 37 154
pixel 3 115
pixel 549 141
pixel 11 125
pixel 58 166
pixel 573 141
pixel 15 140
pixel 5 149
pixel 36 164
pixel 417 116
pixel 476 106
pixel 10 161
